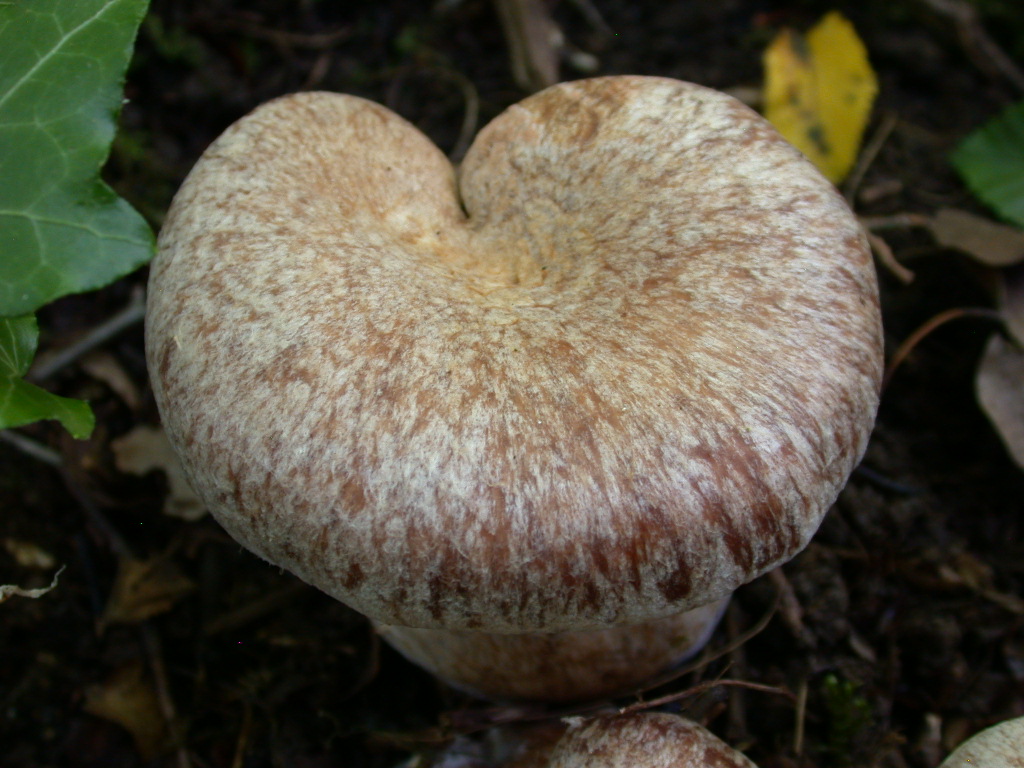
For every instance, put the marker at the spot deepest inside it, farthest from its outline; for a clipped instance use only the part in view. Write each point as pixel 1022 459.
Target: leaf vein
pixel 52 52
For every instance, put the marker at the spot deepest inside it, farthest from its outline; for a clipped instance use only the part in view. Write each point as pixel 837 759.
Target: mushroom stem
pixel 557 667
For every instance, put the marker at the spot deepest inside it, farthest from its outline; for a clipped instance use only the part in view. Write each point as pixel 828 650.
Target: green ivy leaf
pixel 62 65
pixel 991 162
pixel 23 403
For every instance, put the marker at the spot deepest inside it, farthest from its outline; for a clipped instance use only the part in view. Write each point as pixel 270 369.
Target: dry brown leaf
pixel 1011 301
pixel 129 699
pixel 1000 388
pixel 144 588
pixel 992 244
pixel 8 591
pixel 104 367
pixel 145 449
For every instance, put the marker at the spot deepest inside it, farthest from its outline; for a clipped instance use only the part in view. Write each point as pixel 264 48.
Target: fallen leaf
pixel 145 449
pixel 992 244
pixel 129 699
pixel 819 89
pixel 8 591
pixel 991 162
pixel 104 367
pixel 999 384
pixel 144 588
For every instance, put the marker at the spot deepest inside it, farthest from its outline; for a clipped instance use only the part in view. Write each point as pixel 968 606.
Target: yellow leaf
pixel 819 89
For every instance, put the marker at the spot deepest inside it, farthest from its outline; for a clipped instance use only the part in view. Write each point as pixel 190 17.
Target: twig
pixel 263 605
pixel 801 718
pixel 985 52
pixel 534 42
pixel 895 221
pixel 32 448
pixel 154 652
pixel 318 71
pixel 133 313
pixel 593 17
pixel 370 669
pixel 118 544
pixel 469 95
pixel 707 658
pixel 888 259
pixel 940 319
pixel 280 37
pixel 737 661
pixel 887 483
pixel 869 154
pixel 242 743
pixel 703 688
pixel 469 118
pixel 790 610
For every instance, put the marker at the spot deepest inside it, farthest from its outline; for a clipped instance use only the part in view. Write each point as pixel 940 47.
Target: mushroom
pixel 1001 746
pixel 527 415
pixel 633 740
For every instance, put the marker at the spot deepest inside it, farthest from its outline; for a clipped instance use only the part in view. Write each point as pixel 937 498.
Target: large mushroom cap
pixel 1000 746
pixel 621 366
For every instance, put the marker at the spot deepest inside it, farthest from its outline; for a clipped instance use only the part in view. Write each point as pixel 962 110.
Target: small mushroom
pixel 1001 746
pixel 526 415
pixel 633 740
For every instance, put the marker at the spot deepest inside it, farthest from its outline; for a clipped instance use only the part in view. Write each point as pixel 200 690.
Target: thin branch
pixel 134 312
pixel 939 320
pixel 470 116
pixel 118 544
pixel 895 221
pixel 985 52
pixel 279 37
pixel 154 653
pixel 707 658
pixel 704 688
pixel 869 154
pixel 888 260
pixel 801 717
pixel 31 447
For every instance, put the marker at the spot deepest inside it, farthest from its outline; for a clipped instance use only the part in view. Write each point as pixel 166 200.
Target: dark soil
pixel 895 635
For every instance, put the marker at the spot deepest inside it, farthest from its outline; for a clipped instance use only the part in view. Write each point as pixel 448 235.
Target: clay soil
pixel 897 633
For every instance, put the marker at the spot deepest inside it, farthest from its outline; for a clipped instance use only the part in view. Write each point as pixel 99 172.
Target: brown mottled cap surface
pixel 1001 746
pixel 620 365
pixel 636 740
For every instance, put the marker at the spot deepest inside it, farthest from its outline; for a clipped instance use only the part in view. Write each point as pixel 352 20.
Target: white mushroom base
pixel 560 667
